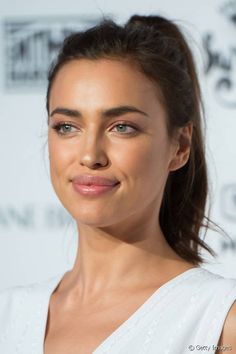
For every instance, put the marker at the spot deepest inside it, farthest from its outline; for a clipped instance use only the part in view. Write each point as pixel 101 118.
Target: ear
pixel 181 147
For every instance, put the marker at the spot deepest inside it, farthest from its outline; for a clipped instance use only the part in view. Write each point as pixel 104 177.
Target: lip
pixel 93 185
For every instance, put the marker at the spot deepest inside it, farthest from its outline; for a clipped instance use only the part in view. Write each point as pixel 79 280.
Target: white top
pixel 184 314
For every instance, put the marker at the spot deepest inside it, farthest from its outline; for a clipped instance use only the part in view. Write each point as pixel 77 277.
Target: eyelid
pixel 130 124
pixel 74 125
pixel 61 122
pixel 58 125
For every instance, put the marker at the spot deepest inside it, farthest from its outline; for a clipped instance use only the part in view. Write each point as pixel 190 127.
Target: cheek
pixel 61 156
pixel 143 160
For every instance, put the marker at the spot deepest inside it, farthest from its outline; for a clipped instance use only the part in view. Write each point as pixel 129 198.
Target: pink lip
pixel 93 185
pixel 92 190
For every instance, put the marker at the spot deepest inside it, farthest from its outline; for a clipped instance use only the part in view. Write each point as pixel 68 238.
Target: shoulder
pixel 12 305
pixel 222 292
pixel 21 298
pixel 216 297
pixel 13 293
pixel 22 311
pixel 13 296
pixel 10 294
pixel 21 314
pixel 228 337
pixel 217 285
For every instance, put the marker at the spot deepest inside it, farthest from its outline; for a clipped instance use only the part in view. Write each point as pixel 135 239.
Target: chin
pixel 91 221
pixel 90 216
pixel 96 213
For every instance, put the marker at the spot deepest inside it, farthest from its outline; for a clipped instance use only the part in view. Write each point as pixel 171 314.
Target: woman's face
pixel 114 127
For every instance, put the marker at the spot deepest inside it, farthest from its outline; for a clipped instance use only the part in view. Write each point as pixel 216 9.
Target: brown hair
pixel 160 51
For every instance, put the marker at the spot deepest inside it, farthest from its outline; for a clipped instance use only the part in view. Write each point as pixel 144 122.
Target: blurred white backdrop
pixel 37 237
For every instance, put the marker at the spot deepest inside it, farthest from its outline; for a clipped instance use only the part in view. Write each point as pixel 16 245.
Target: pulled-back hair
pixel 159 50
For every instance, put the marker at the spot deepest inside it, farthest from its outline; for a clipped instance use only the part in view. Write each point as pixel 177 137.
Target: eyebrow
pixel 108 113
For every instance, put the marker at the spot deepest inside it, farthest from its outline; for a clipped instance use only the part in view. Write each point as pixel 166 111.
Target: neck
pixel 108 260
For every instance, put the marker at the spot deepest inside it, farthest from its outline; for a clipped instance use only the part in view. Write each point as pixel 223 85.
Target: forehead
pixel 86 82
pixel 105 71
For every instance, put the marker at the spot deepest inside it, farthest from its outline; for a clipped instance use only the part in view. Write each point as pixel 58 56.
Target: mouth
pixel 93 189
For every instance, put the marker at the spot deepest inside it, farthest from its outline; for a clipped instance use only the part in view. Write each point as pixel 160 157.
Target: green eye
pixel 64 128
pixel 122 128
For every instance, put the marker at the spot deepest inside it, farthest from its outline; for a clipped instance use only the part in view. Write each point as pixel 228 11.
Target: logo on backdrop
pixel 228 202
pixel 221 60
pixel 33 217
pixel 228 210
pixel 32 44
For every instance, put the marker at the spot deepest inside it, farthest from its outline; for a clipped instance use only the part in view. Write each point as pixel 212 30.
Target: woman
pixel 127 161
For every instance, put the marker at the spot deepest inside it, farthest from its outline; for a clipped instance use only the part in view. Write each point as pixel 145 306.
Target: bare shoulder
pixel 228 335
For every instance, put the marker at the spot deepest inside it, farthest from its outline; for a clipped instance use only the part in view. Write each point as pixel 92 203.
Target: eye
pixel 122 128
pixel 64 128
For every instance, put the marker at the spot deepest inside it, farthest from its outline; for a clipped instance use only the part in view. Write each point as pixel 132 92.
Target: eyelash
pixel 57 127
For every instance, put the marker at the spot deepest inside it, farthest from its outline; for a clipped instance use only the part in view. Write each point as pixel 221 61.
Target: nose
pixel 93 153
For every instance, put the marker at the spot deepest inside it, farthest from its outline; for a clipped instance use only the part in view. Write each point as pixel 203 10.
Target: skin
pixel 123 256
pixel 117 228
pixel 228 337
pixel 120 240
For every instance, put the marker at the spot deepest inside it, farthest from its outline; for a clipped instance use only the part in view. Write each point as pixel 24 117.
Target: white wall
pixel 37 237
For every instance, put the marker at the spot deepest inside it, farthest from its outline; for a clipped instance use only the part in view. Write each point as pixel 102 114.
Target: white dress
pixel 185 315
